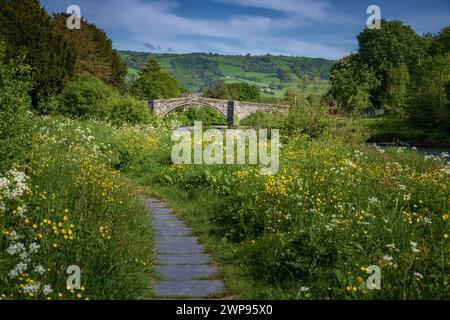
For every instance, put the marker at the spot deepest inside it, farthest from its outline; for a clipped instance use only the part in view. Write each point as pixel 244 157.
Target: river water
pixel 443 153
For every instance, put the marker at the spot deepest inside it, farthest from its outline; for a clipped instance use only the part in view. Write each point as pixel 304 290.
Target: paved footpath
pixel 183 266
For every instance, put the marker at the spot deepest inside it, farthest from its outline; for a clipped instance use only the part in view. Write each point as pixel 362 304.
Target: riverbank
pixel 393 131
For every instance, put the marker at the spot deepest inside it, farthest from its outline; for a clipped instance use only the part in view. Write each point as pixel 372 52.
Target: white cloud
pixel 135 23
pixel 315 10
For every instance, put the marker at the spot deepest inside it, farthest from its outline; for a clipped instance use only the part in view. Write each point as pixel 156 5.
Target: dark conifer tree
pixel 26 27
pixel 94 51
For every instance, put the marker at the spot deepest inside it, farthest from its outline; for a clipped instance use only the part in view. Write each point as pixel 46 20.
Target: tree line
pixel 394 68
pixel 398 70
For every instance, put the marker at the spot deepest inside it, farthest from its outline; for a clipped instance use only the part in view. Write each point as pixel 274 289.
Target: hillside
pixel 273 74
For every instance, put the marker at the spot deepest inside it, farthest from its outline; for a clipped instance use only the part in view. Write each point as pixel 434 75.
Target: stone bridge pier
pixel 233 111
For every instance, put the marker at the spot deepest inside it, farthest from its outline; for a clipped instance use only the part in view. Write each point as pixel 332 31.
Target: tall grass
pixel 75 209
pixel 313 230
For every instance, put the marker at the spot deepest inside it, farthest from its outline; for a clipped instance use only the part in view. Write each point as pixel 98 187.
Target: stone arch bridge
pixel 233 111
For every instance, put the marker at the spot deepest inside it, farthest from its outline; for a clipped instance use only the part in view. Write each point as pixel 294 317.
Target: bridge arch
pixel 194 105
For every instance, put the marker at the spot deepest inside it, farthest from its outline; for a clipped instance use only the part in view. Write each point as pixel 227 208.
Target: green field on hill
pixel 273 74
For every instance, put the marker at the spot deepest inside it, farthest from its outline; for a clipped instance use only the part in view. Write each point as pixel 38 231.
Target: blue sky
pixel 313 28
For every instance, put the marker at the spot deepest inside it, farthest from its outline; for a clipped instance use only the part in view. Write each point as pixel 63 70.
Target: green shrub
pixel 128 109
pixel 89 97
pixel 308 117
pixel 206 115
pixel 86 96
pixel 48 105
pixel 263 120
pixel 15 128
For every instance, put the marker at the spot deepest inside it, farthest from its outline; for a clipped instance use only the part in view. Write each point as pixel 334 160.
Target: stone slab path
pixel 185 270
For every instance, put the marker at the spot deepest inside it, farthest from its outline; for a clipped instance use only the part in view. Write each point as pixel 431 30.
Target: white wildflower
pixel 31 288
pixel 350 163
pixel 16 186
pixel 446 170
pixel 4 183
pixel 47 290
pixel 13 274
pixel 388 258
pixel 418 275
pixel 13 235
pixel 25 257
pixel 39 269
pixel 34 247
pixel 21 211
pixel 15 248
pixel 414 247
pixel 20 268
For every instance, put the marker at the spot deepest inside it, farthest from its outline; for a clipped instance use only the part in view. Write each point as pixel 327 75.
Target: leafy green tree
pixel 440 44
pixel 222 90
pixel 429 103
pixel 283 75
pixel 25 26
pixel 153 83
pixel 94 50
pixel 394 99
pixel 240 91
pixel 351 84
pixel 389 47
pixel 246 91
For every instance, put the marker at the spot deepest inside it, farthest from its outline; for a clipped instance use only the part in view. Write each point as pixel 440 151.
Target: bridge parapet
pixel 230 109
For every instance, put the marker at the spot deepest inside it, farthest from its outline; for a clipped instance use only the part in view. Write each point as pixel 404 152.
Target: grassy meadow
pixel 312 231
pixel 309 232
